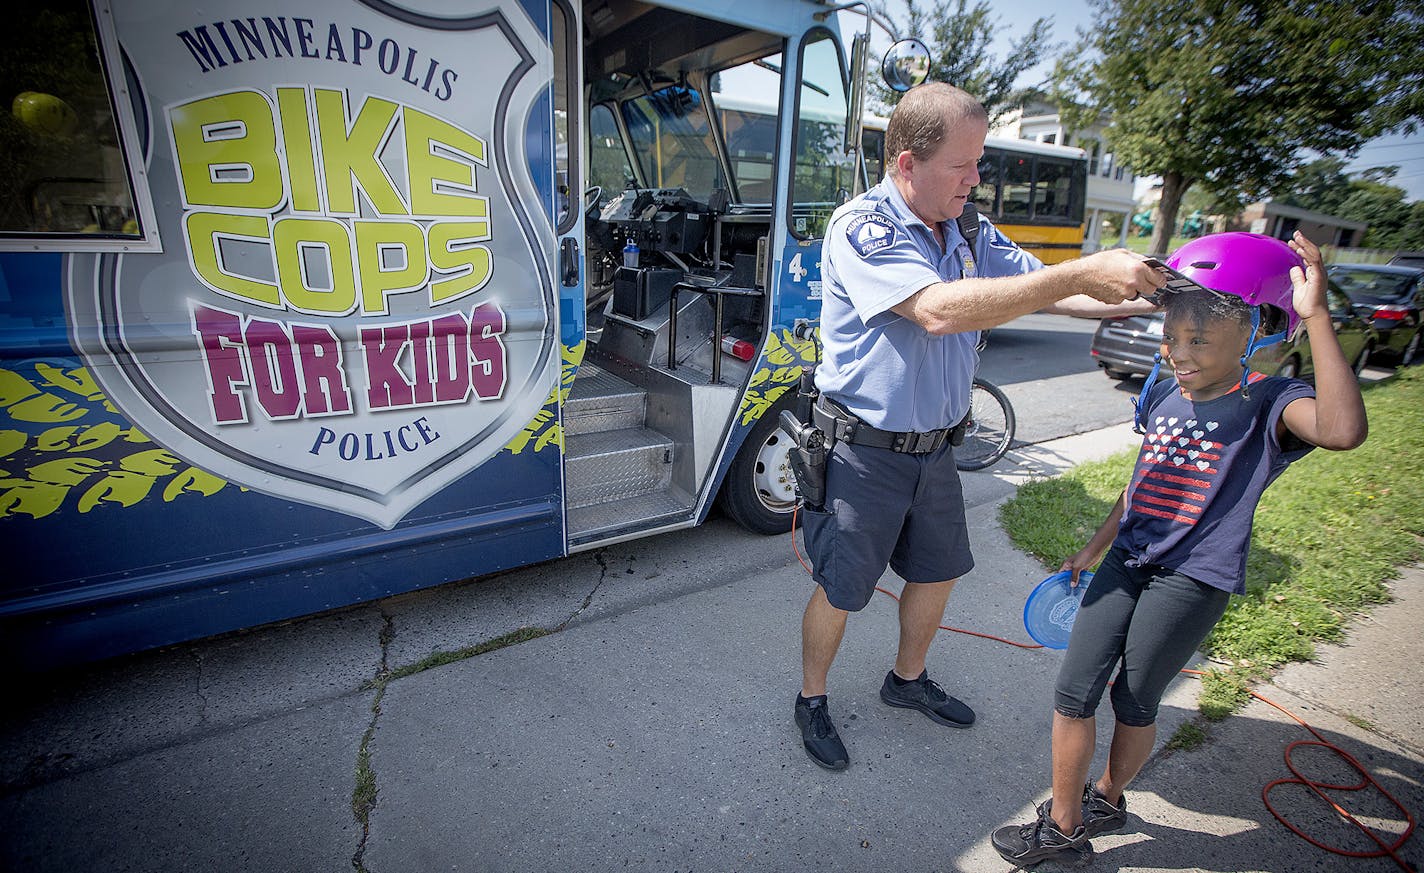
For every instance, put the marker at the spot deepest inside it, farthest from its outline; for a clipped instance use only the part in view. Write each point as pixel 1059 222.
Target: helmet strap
pixel 1254 345
pixel 1139 405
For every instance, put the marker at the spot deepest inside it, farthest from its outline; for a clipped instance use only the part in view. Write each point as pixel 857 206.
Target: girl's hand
pixel 1309 284
pixel 1077 563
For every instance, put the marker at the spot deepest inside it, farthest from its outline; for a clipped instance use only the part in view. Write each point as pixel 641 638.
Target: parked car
pixel 1391 296
pixel 1408 259
pixel 1125 347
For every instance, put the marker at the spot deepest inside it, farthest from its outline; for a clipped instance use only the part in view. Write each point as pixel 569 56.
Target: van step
pixel 604 466
pixel 600 401
pixel 642 512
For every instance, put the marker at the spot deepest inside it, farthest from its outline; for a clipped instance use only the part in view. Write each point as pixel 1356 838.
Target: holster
pixel 808 457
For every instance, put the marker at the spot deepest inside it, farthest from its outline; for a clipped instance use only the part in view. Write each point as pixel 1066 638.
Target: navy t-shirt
pixel 1201 471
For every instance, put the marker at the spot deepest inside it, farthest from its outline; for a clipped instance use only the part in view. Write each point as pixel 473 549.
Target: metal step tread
pixel 608 442
pixel 642 510
pixel 600 401
pixel 593 382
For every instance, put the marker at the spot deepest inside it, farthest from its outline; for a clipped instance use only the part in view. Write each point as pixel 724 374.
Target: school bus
pixel 306 306
pixel 1034 192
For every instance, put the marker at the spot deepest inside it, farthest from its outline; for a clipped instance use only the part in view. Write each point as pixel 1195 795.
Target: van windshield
pixel 672 141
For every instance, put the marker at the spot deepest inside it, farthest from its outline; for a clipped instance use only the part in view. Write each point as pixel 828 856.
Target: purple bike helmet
pixel 1251 266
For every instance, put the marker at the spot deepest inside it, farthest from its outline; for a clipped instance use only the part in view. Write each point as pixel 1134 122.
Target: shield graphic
pixel 353 307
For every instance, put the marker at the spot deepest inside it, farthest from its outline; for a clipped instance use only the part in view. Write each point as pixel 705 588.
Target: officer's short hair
pixel 924 116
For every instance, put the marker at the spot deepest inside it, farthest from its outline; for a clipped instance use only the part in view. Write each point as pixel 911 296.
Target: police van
pixel 306 304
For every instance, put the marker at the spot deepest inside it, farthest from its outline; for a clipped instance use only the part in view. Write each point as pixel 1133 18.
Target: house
pixel 1280 221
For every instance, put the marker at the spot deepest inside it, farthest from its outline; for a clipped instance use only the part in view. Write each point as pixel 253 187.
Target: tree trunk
pixel 1174 186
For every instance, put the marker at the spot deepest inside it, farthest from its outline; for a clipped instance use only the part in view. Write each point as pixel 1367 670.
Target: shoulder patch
pixel 869 232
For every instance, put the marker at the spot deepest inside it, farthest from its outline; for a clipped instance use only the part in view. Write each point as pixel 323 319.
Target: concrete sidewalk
pixel 653 731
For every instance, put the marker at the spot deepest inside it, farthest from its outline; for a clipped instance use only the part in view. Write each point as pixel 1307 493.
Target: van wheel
pixel 759 492
pixel 1290 367
pixel 1118 375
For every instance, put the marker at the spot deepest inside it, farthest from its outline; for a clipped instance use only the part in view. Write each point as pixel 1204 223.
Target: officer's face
pixel 937 187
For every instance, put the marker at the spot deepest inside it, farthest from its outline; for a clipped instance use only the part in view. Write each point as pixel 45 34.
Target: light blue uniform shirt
pixel 886 370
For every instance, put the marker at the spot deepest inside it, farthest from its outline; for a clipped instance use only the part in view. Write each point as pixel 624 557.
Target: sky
pixel 1014 17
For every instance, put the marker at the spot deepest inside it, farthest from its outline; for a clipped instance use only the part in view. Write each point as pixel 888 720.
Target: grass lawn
pixel 1328 534
pixel 1140 244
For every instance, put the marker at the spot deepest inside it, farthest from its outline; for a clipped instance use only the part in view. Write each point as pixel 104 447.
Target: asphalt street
pixel 647 726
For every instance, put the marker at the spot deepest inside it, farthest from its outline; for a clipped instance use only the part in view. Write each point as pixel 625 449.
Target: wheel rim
pixel 772 481
pixel 1412 348
pixel 1363 361
pixel 987 432
pixel 1288 369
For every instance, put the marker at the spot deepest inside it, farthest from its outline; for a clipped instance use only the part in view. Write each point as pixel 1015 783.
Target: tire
pixel 991 428
pixel 1118 375
pixel 1363 360
pixel 1411 349
pixel 1290 368
pixel 759 492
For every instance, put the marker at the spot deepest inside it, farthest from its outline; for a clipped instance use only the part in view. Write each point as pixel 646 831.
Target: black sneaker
pixel 1099 815
pixel 818 733
pixel 925 695
pixel 1041 840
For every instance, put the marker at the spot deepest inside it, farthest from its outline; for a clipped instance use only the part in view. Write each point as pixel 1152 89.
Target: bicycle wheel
pixel 991 428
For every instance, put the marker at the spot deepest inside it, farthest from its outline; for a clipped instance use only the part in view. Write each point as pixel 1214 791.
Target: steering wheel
pixel 591 196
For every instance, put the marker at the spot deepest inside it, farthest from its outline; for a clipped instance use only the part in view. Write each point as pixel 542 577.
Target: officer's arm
pixel 1083 306
pixel 1110 277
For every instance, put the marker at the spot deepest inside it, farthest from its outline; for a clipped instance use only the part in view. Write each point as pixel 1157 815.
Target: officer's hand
pixel 1116 275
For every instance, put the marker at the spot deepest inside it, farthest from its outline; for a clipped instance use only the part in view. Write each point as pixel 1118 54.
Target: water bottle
pixel 630 254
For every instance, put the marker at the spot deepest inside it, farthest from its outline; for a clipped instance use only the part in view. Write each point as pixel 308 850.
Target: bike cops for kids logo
pixel 353 307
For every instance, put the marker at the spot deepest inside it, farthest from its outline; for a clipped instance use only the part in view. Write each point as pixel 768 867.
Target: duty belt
pixel 841 425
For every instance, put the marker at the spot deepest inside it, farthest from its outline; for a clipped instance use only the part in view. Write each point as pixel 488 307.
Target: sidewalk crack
pixel 599 558
pixel 365 793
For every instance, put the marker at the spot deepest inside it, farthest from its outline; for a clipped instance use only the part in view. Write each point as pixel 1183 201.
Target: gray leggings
pixel 1150 618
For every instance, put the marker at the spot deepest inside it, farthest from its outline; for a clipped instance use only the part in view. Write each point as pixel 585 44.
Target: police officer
pixel 903 301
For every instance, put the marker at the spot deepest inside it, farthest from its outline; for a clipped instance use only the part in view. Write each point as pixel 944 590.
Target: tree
pixel 1320 186
pixel 958 37
pixel 1228 93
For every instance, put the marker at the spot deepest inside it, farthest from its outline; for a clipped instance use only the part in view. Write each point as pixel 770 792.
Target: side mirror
pixel 906 65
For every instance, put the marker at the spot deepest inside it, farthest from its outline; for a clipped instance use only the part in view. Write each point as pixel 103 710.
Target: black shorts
pixel 887 508
pixel 1148 619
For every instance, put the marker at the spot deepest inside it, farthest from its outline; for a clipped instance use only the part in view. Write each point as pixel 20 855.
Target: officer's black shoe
pixel 924 694
pixel 818 733
pixel 1041 840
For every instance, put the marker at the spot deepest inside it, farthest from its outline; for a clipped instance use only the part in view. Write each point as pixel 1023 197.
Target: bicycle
pixel 991 427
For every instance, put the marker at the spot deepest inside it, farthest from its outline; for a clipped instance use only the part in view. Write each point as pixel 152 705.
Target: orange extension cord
pixel 1385 849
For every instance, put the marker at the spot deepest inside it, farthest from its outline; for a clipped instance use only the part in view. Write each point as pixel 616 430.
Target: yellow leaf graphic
pixel 65 471
pixel 120 486
pixel 46 408
pixel 14 388
pixel 76 381
pixel 193 481
pixel 553 436
pixel 56 439
pixel 35 499
pixel 154 462
pixel 11 441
